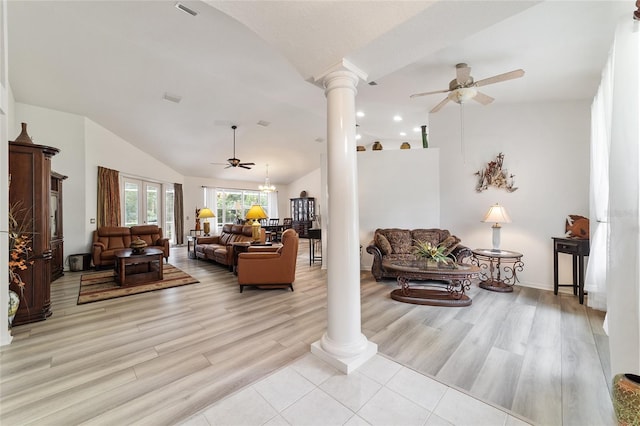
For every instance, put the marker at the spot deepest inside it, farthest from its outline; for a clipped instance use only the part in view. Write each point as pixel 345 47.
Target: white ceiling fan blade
pixel 500 77
pixel 482 98
pixel 463 71
pixel 415 95
pixel 440 105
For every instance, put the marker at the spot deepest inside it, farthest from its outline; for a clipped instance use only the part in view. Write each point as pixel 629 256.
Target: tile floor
pixel 382 392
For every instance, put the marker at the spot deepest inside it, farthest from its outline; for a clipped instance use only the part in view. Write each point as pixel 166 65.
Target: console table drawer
pixel 571 246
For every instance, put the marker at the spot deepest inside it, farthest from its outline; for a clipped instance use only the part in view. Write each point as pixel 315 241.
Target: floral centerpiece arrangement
pixel 19 252
pixel 435 253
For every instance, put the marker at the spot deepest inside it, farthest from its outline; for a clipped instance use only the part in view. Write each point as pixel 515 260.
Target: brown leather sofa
pixel 275 269
pixel 219 248
pixel 108 239
pixel 395 243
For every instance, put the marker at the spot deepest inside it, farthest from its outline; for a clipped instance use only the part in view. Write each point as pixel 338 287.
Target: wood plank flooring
pixel 158 358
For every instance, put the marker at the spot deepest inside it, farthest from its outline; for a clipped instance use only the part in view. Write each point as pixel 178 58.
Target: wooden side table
pixel 578 249
pixel 493 263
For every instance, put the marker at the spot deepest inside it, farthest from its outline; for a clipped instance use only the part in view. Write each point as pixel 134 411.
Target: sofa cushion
pixel 449 244
pixel 400 240
pixel 383 244
pixel 433 236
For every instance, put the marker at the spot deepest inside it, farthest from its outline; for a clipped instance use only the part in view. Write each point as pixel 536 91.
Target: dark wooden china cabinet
pixel 30 188
pixel 57 238
pixel 302 215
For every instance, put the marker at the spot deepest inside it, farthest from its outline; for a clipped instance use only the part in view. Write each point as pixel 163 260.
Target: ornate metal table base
pixel 450 293
pixel 493 264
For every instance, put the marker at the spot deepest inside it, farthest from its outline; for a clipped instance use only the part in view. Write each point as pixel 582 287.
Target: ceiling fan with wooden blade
pixel 233 161
pixel 463 87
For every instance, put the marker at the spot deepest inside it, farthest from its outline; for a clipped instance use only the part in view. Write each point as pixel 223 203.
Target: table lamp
pixel 205 214
pixel 256 213
pixel 496 214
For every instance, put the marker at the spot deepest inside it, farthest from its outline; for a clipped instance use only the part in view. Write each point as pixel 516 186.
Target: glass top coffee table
pixel 443 285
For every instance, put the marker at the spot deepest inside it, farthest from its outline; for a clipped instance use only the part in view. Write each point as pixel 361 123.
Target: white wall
pixel 546 146
pixel 397 188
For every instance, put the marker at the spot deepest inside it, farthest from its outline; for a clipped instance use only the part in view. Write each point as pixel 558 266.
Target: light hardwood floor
pixel 160 357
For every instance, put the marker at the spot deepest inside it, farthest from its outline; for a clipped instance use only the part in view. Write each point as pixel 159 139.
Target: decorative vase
pixel 425 142
pixel 377 146
pixel 405 145
pixel 24 136
pixel 14 303
pixel 626 399
pixel 137 246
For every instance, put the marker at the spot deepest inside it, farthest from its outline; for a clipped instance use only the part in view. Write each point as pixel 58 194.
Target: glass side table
pixel 498 268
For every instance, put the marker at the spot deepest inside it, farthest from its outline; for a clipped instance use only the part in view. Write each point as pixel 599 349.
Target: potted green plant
pixel 433 253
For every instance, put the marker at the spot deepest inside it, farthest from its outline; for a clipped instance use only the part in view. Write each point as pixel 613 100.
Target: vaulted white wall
pixel 546 146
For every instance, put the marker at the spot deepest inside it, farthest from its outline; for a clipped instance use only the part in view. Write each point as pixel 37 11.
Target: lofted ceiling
pixel 245 62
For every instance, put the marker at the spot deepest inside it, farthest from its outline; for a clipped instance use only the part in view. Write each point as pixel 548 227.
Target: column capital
pixel 342 68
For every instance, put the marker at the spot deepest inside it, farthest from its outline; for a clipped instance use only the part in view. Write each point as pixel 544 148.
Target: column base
pixel 345 364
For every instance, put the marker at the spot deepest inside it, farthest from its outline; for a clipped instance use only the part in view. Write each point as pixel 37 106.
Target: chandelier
pixel 267 187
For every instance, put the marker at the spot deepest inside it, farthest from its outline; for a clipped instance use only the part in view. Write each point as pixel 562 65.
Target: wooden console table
pixel 578 249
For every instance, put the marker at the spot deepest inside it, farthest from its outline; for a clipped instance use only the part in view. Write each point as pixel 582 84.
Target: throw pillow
pixel 449 244
pixel 383 244
pixel 400 240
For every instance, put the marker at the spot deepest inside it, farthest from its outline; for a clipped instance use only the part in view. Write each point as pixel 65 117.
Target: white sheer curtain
pixel 596 279
pixel 623 268
pixel 272 200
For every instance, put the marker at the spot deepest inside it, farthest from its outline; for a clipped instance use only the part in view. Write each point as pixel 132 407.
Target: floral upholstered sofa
pixel 395 243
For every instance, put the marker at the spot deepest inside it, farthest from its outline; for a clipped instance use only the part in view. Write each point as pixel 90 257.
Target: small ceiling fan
pixel 463 87
pixel 233 161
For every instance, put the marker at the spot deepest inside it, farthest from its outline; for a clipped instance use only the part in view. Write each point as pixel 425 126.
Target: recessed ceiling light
pixel 397 118
pixel 416 129
pixel 403 134
pixel 360 114
pixel 172 98
pixel 358 136
pixel 373 83
pixel 185 9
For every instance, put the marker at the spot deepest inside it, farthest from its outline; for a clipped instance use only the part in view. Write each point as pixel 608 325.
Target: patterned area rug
pixel 102 286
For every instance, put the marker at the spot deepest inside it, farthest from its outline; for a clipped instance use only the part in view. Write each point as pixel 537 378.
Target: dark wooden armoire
pixel 30 186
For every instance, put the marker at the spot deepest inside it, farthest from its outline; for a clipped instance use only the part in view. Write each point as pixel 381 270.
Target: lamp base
pixel 496 237
pixel 255 230
pixel 207 228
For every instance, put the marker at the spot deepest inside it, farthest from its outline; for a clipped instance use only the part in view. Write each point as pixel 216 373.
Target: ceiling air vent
pixel 263 123
pixel 172 98
pixel 185 9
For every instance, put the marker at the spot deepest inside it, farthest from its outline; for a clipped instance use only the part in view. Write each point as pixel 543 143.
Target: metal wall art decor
pixel 494 175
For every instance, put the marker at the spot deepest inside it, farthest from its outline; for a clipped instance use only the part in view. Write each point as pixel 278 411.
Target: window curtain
pixel 272 202
pixel 178 213
pixel 108 212
pixel 596 278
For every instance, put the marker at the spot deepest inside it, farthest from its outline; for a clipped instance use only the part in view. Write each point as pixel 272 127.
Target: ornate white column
pixel 343 345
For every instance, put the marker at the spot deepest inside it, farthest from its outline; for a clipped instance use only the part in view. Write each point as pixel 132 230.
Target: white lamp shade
pixel 497 214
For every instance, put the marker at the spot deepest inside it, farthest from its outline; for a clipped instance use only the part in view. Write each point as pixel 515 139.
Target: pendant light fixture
pixel 267 187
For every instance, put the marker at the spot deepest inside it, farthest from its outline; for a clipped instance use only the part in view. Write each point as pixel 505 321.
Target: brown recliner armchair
pixel 275 269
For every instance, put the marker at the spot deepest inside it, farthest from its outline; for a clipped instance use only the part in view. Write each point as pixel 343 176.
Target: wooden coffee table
pixel 443 286
pixel 138 268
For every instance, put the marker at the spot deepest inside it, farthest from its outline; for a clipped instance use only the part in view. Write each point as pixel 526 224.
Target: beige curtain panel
pixel 108 197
